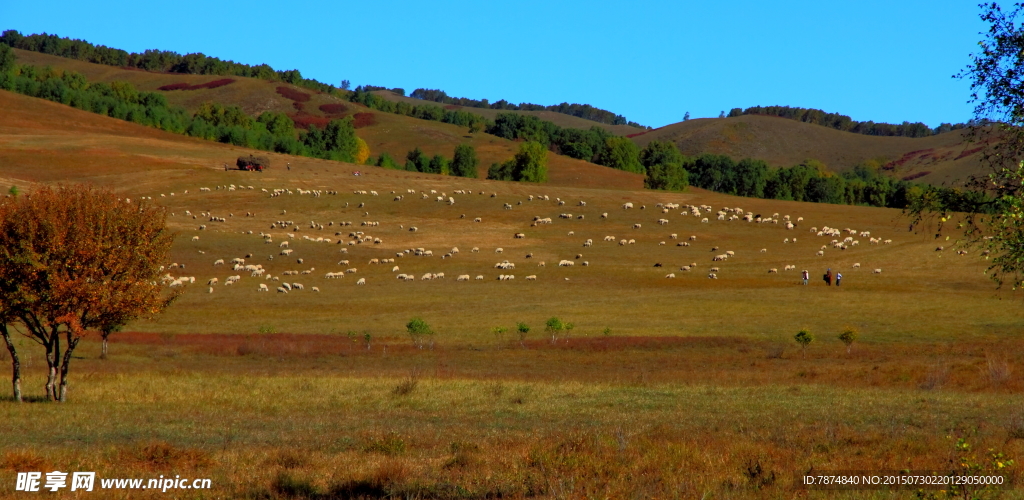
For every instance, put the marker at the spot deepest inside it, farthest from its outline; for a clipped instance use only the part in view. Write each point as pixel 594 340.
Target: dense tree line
pixel 463 164
pixel 424 111
pixel 229 124
pixel 809 181
pixel 847 124
pixel 154 60
pixel 580 110
pixel 373 88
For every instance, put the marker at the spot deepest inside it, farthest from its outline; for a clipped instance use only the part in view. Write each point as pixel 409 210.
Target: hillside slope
pixel 383 132
pixel 561 119
pixel 42 141
pixel 783 142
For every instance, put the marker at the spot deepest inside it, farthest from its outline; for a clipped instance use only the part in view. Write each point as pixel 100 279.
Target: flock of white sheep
pixel 288 229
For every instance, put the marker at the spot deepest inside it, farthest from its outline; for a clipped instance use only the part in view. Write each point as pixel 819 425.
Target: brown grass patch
pixel 161 455
pixel 333 109
pixel 23 461
pixel 290 93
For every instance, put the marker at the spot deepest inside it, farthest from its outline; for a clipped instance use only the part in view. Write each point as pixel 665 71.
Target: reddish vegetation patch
pixel 924 153
pixel 290 93
pixel 271 344
pixel 212 85
pixel 916 176
pixel 298 105
pixel 364 120
pixel 280 344
pixel 175 86
pixel 969 152
pixel 304 120
pixel 452 106
pixel 208 85
pixel 333 109
pixel 601 344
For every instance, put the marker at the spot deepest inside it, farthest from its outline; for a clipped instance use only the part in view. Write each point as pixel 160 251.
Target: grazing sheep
pixel 876 271
pixel 519 236
pixel 670 275
pixel 636 226
pixel 604 215
pixel 532 277
pixel 218 262
pixel 286 286
pixel 213 281
pixel 361 281
pixel 298 286
pixel 499 250
pixel 282 289
pixel 821 253
pixel 773 271
pixel 462 277
pixel 263 288
pixel 628 205
pixel 478 219
pixel 479 277
pixel 856 265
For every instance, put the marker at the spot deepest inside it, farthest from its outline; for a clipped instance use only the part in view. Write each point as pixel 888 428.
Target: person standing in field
pixel 839 276
pixel 828 277
pixel 806 276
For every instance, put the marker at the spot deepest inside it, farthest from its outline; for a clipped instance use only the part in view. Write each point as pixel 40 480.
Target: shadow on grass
pixel 25 399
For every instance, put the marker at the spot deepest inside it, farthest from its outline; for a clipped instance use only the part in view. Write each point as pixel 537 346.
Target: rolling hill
pixel 561 119
pixel 383 132
pixel 782 142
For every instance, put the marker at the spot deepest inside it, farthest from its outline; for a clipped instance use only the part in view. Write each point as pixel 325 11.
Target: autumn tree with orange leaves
pixel 75 259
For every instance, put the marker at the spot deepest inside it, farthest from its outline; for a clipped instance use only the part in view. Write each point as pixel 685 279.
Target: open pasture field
pixel 678 387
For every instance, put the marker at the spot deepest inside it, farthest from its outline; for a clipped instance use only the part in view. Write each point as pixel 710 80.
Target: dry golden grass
pixel 696 390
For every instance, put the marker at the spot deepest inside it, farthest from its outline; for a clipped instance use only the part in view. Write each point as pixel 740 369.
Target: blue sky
pixel 652 61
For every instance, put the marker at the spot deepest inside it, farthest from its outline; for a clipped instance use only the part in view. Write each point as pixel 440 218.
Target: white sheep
pixel 361 281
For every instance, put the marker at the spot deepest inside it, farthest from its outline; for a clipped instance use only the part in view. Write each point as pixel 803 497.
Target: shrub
pixel 804 338
pixel 554 327
pixel 848 336
pixel 419 331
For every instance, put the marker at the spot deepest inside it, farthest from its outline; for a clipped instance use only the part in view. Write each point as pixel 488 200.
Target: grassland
pixel 666 388
pixel 782 142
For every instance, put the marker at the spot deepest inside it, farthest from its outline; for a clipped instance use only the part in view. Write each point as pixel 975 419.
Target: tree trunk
pixel 15 362
pixel 103 353
pixel 65 365
pixel 52 361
